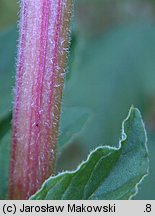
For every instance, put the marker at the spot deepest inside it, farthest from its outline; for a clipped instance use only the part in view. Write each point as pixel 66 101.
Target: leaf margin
pixel 123 138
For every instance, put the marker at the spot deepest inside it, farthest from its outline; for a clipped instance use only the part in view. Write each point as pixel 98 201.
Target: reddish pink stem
pixel 43 43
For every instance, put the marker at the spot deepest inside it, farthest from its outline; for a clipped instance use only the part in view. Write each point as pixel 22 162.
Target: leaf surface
pixel 108 173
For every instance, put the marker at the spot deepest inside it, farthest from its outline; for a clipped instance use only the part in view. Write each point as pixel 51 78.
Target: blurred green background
pixel 110 67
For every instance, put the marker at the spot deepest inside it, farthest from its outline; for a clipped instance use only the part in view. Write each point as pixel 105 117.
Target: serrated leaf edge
pixel 122 139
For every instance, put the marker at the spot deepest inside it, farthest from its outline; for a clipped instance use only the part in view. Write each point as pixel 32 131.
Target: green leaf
pixel 7 69
pixel 4 164
pixel 5 139
pixel 108 173
pixel 5 124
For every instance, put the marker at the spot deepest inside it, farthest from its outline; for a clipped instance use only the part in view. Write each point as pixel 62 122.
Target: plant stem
pixel 43 45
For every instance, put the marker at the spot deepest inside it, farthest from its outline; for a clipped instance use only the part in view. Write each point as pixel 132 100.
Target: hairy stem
pixel 43 45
